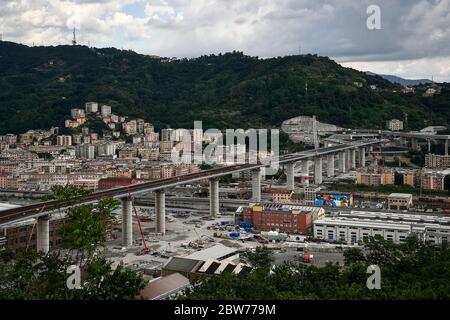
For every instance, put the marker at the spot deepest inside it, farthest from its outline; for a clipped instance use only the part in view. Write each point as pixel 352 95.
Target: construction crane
pixel 200 243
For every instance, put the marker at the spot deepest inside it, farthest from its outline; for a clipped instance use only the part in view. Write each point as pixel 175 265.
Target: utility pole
pixel 316 138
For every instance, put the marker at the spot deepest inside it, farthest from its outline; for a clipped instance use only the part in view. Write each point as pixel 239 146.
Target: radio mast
pixel 74 41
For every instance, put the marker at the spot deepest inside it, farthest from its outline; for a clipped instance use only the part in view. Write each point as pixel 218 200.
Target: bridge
pixel 346 155
pixel 413 135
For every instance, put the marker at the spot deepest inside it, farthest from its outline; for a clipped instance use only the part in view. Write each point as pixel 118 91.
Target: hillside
pixel 41 84
pixel 402 81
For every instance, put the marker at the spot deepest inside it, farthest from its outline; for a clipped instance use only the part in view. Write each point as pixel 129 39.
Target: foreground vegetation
pixel 412 270
pixel 38 276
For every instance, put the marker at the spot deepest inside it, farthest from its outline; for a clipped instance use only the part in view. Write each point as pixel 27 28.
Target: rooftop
pixel 400 195
pixel 163 287
pixel 215 252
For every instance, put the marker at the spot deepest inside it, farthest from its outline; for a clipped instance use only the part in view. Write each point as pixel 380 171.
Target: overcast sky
pixel 413 42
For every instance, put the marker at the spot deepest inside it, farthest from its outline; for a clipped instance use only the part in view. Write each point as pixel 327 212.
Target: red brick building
pixel 287 221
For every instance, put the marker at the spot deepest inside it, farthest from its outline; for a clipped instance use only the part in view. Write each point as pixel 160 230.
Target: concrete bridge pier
pixel 342 162
pixel 362 157
pixel 414 144
pixel 446 147
pixel 160 210
pixel 43 234
pixel 256 185
pixel 290 183
pixel 348 157
pixel 214 198
pixel 127 222
pixel 318 179
pixel 305 168
pixel 330 165
pixel 353 158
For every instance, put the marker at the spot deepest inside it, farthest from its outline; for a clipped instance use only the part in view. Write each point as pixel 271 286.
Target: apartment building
pixel 436 161
pixel 105 111
pixel 375 176
pixel 91 107
pixel 64 140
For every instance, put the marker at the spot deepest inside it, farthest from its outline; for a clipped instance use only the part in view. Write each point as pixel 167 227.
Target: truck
pixel 307 258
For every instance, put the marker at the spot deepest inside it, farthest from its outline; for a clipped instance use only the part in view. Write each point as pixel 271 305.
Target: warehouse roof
pixel 164 287
pixel 218 252
pixel 183 264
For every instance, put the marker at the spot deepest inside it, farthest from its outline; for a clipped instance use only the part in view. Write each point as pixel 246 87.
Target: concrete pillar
pixel 362 157
pixel 160 210
pixel 43 234
pixel 353 158
pixel 429 145
pixel 290 184
pixel 330 165
pixel 414 144
pixel 342 162
pixel 214 198
pixel 305 168
pixel 318 171
pixel 127 223
pixel 256 185
pixel 446 148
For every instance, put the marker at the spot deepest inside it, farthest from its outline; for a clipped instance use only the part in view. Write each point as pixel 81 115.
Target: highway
pixel 43 208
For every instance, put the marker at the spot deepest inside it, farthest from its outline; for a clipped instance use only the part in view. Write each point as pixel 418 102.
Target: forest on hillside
pixel 41 84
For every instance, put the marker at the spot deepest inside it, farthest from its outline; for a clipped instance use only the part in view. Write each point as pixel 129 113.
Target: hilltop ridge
pixel 41 84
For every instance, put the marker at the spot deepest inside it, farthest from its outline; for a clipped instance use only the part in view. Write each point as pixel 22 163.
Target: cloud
pixel 412 30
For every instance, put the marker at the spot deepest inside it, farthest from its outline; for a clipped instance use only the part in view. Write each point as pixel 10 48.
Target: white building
pixel 64 140
pixel 355 230
pixel 394 125
pixel 106 149
pixel 106 110
pixel 166 134
pixel 77 113
pixel 400 201
pixel 85 151
pixel 355 226
pixel 91 107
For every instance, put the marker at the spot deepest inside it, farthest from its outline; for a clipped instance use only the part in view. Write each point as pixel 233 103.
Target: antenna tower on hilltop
pixel 74 41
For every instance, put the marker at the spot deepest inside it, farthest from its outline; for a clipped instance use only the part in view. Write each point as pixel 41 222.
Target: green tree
pixel 261 258
pixel 353 255
pixel 34 275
